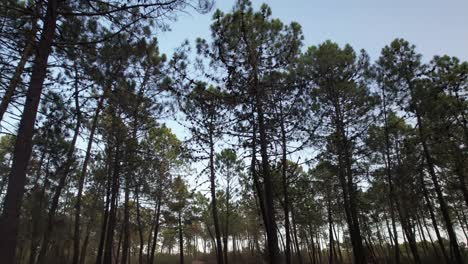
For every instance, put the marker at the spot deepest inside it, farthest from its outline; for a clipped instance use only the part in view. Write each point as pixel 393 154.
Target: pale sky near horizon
pixel 436 27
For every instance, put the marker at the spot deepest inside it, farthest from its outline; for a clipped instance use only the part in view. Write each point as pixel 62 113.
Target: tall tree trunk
pixel 23 147
pixel 108 250
pixel 296 241
pixel 181 241
pixel 314 255
pixel 156 228
pixel 284 170
pixel 226 224
pixel 16 78
pixel 407 227
pixel 338 245
pixel 381 241
pixel 105 218
pixel 126 220
pixel 214 208
pixel 81 180
pixel 116 253
pixel 36 215
pixel 131 169
pixel 140 226
pixel 84 248
pixel 433 216
pixel 272 237
pixel 460 159
pixel 422 236
pixel 62 173
pixel 443 206
pixel 257 90
pixel 257 187
pixel 319 248
pixel 345 174
pixel 330 232
pixel 462 224
pixel 388 169
pixel 308 244
pixel 438 189
pixel 434 247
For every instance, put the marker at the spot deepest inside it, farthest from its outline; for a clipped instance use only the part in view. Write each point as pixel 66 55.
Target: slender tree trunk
pixel 105 219
pixel 314 255
pixel 421 235
pixel 330 233
pixel 156 228
pixel 388 169
pixel 62 173
pixel 259 94
pixel 226 225
pixel 410 236
pixel 433 217
pixel 116 253
pixel 128 175
pixel 296 241
pixel 81 180
pixel 257 187
pixel 443 206
pixel 16 78
pixel 181 241
pixel 234 247
pixel 434 248
pixel 108 250
pixel 438 190
pixel 85 244
pixel 272 237
pixel 140 227
pixel 36 215
pixel 338 245
pixel 347 184
pixel 284 169
pixel 319 248
pixel 149 240
pixel 281 240
pixel 308 244
pixel 460 161
pixel 23 147
pixel 126 220
pixel 462 225
pixel 214 209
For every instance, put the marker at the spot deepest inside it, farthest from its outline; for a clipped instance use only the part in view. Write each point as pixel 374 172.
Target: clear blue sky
pixel 434 26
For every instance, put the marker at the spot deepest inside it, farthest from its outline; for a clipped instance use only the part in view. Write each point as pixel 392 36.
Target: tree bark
pixel 181 240
pixel 346 181
pixel 272 237
pixel 105 219
pixel 284 170
pixel 388 169
pixel 214 208
pixel 431 170
pixel 113 207
pixel 330 233
pixel 433 217
pixel 62 172
pixel 81 180
pixel 16 78
pixel 23 146
pixel 156 228
pixel 140 227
